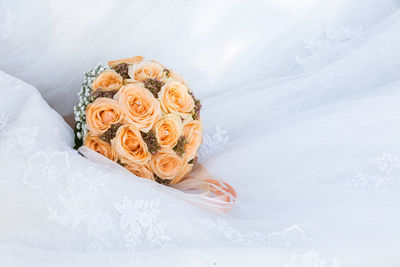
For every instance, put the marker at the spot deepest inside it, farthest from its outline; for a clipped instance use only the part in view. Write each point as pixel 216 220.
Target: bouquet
pixel 145 117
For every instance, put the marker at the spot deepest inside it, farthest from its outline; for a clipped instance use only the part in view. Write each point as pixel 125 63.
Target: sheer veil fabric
pixel 301 116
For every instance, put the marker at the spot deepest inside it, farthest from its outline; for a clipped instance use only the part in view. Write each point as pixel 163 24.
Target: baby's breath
pixel 84 100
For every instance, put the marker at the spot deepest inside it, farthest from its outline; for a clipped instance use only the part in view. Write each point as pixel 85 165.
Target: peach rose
pixel 176 77
pixel 139 105
pixel 143 171
pixel 108 80
pixel 101 114
pixel 129 145
pixel 146 70
pixel 175 98
pixel 186 169
pixel 168 130
pixel 166 164
pixel 94 142
pixel 128 61
pixel 192 130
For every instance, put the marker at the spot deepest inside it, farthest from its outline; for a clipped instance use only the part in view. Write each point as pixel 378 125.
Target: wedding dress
pixel 307 133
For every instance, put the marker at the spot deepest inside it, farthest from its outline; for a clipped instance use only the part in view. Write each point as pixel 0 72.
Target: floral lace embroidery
pixel 19 140
pixel 292 237
pixel 66 140
pixel 72 196
pixel 78 201
pixel 45 169
pixel 138 221
pixel 383 173
pixel 327 47
pixel 72 202
pixel 387 162
pixel 213 143
pixel 223 227
pixel 4 120
pixel 310 259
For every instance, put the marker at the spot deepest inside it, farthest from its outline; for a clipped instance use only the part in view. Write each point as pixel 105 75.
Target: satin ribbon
pixel 206 190
pixel 200 188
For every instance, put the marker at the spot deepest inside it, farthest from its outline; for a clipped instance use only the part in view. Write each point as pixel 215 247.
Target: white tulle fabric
pixel 301 114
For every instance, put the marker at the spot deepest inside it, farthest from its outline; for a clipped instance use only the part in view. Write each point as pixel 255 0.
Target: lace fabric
pixel 78 200
pixel 309 141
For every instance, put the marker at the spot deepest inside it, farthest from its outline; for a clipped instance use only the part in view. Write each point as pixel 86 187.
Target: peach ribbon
pixel 207 191
pixel 200 188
